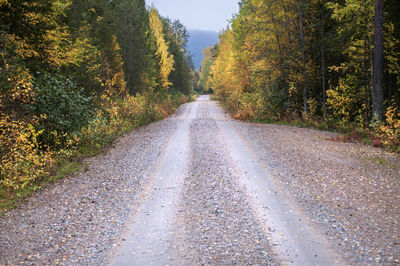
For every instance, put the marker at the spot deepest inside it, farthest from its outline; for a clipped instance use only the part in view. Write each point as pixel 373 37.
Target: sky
pixel 211 15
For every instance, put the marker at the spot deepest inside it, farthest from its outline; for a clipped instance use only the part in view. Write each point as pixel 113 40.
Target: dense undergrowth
pixel 384 134
pixel 28 167
pixel 327 64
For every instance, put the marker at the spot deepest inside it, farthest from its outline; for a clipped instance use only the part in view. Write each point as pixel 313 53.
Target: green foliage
pixel 205 80
pixel 313 59
pixel 93 25
pixel 132 28
pixel 196 82
pixel 28 22
pixel 181 75
pixel 22 157
pixel 63 106
pixel 355 29
pixel 76 74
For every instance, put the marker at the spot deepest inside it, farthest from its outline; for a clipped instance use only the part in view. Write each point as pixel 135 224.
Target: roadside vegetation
pixel 332 65
pixel 74 75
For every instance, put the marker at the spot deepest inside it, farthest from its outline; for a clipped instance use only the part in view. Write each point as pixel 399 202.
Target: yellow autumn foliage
pixel 389 131
pixel 22 159
pixel 166 60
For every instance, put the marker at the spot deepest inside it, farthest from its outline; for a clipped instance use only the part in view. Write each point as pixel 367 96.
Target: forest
pixel 76 74
pixel 332 65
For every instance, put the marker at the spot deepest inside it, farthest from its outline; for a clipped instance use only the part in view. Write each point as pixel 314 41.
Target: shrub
pixel 168 103
pixel 23 160
pixel 116 116
pixel 65 107
pixel 389 131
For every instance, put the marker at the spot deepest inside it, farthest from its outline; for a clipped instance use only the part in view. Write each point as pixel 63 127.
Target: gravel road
pixel 199 188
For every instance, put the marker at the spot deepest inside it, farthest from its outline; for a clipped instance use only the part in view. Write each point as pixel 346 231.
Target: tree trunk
pixel 377 88
pixel 303 58
pixel 322 35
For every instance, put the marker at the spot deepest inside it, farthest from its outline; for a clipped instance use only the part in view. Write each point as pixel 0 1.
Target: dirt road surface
pixel 199 188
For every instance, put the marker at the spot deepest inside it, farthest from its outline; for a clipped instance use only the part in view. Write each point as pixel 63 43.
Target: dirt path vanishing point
pixel 200 188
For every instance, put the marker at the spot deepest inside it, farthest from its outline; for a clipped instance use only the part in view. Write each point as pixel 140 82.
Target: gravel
pixel 77 220
pixel 352 191
pixel 218 224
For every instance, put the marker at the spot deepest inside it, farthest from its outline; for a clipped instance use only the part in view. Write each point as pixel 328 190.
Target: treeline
pixel 312 60
pixel 76 73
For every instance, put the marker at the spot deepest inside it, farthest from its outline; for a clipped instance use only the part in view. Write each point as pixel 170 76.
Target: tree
pixel 377 90
pixel 310 56
pixel 165 59
pixel 303 57
pixel 65 66
pixel 176 35
pixel 323 64
pixel 354 20
pixel 205 69
pixel 132 24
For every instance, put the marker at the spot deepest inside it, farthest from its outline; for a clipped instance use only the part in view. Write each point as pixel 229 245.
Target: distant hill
pixel 198 40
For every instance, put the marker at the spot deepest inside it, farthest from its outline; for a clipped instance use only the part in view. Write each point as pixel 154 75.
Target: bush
pixel 117 116
pixel 23 160
pixel 168 104
pixel 245 106
pixel 389 131
pixel 346 102
pixel 63 106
